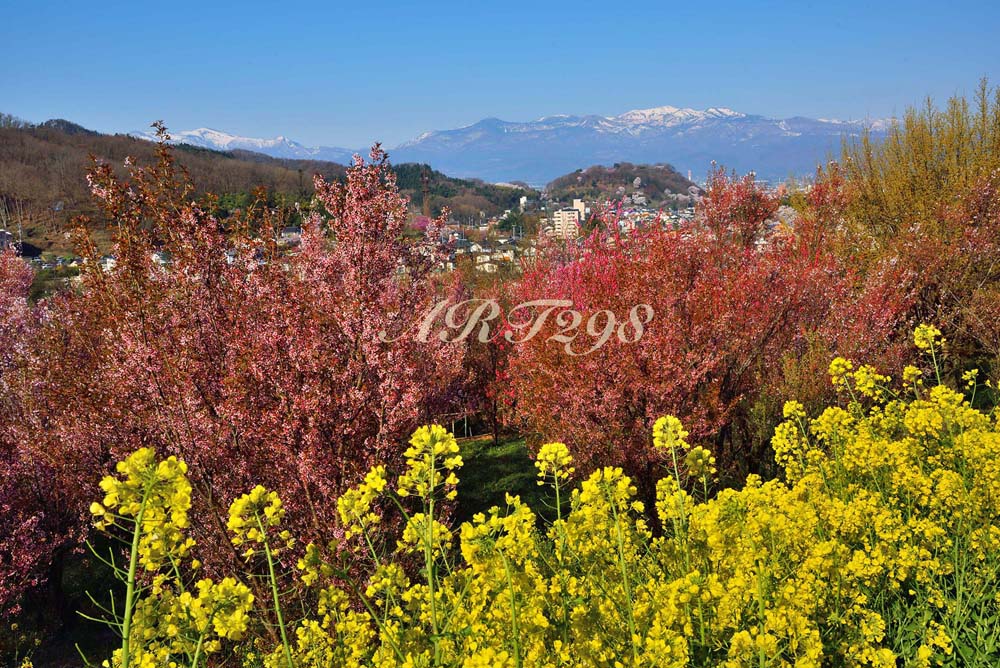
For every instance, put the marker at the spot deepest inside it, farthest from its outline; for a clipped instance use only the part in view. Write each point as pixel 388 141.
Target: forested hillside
pixel 655 182
pixel 43 185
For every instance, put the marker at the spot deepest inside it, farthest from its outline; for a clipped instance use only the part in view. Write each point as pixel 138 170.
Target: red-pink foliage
pixel 255 367
pixel 15 313
pixel 734 303
pixel 24 520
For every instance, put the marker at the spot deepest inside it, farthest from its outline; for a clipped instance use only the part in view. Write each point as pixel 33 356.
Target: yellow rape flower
pixel 928 338
pixel 669 433
pixel 553 460
pixel 839 371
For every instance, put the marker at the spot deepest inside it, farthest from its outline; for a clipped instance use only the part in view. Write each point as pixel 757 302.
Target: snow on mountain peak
pixel 669 116
pixel 208 134
pixel 724 111
pixel 216 139
pixel 278 147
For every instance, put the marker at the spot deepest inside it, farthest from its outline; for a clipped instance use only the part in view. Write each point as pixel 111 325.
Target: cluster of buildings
pixel 501 247
pixel 635 218
pixel 488 255
pixel 568 222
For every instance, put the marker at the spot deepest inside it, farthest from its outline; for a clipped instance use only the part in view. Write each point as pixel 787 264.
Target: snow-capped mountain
pixel 689 139
pixel 279 147
pixel 667 117
pixel 540 150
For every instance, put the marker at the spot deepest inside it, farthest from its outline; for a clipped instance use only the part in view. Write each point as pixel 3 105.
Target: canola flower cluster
pixel 878 547
pixel 252 516
pixel 154 495
pixel 165 623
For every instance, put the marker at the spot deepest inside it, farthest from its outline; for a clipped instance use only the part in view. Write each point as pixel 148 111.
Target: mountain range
pixel 538 151
pixel 279 147
pixel 43 184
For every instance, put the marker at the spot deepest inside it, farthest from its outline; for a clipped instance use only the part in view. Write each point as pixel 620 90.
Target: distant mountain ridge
pixel 541 150
pixel 279 147
pixel 689 139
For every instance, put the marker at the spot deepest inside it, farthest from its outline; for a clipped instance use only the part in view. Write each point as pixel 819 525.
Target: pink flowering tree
pixel 294 371
pixel 736 301
pixel 25 523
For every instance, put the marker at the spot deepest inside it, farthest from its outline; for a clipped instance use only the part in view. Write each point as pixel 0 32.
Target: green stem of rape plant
pixel 368 542
pixel 406 518
pixel 515 627
pixel 429 558
pixel 937 368
pixel 197 651
pixel 274 591
pixel 625 580
pixel 761 657
pixel 701 608
pixel 555 479
pixel 559 556
pixel 180 586
pixel 130 593
pixel 682 534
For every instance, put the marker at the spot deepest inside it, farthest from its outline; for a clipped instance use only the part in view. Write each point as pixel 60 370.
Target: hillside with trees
pixel 43 185
pixel 658 184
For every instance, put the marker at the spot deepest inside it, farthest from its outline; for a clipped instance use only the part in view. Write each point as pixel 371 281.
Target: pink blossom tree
pixel 295 371
pixel 734 301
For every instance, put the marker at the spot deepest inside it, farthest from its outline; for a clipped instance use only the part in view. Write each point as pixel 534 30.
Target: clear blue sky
pixel 343 74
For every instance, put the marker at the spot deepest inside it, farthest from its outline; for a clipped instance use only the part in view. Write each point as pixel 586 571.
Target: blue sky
pixel 345 74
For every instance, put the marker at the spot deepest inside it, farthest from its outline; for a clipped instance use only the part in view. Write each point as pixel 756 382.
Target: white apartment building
pixel 566 223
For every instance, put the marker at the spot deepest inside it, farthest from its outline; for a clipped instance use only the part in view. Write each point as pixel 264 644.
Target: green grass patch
pixel 491 471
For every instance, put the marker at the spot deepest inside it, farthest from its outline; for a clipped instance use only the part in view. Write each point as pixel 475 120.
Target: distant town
pixel 500 240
